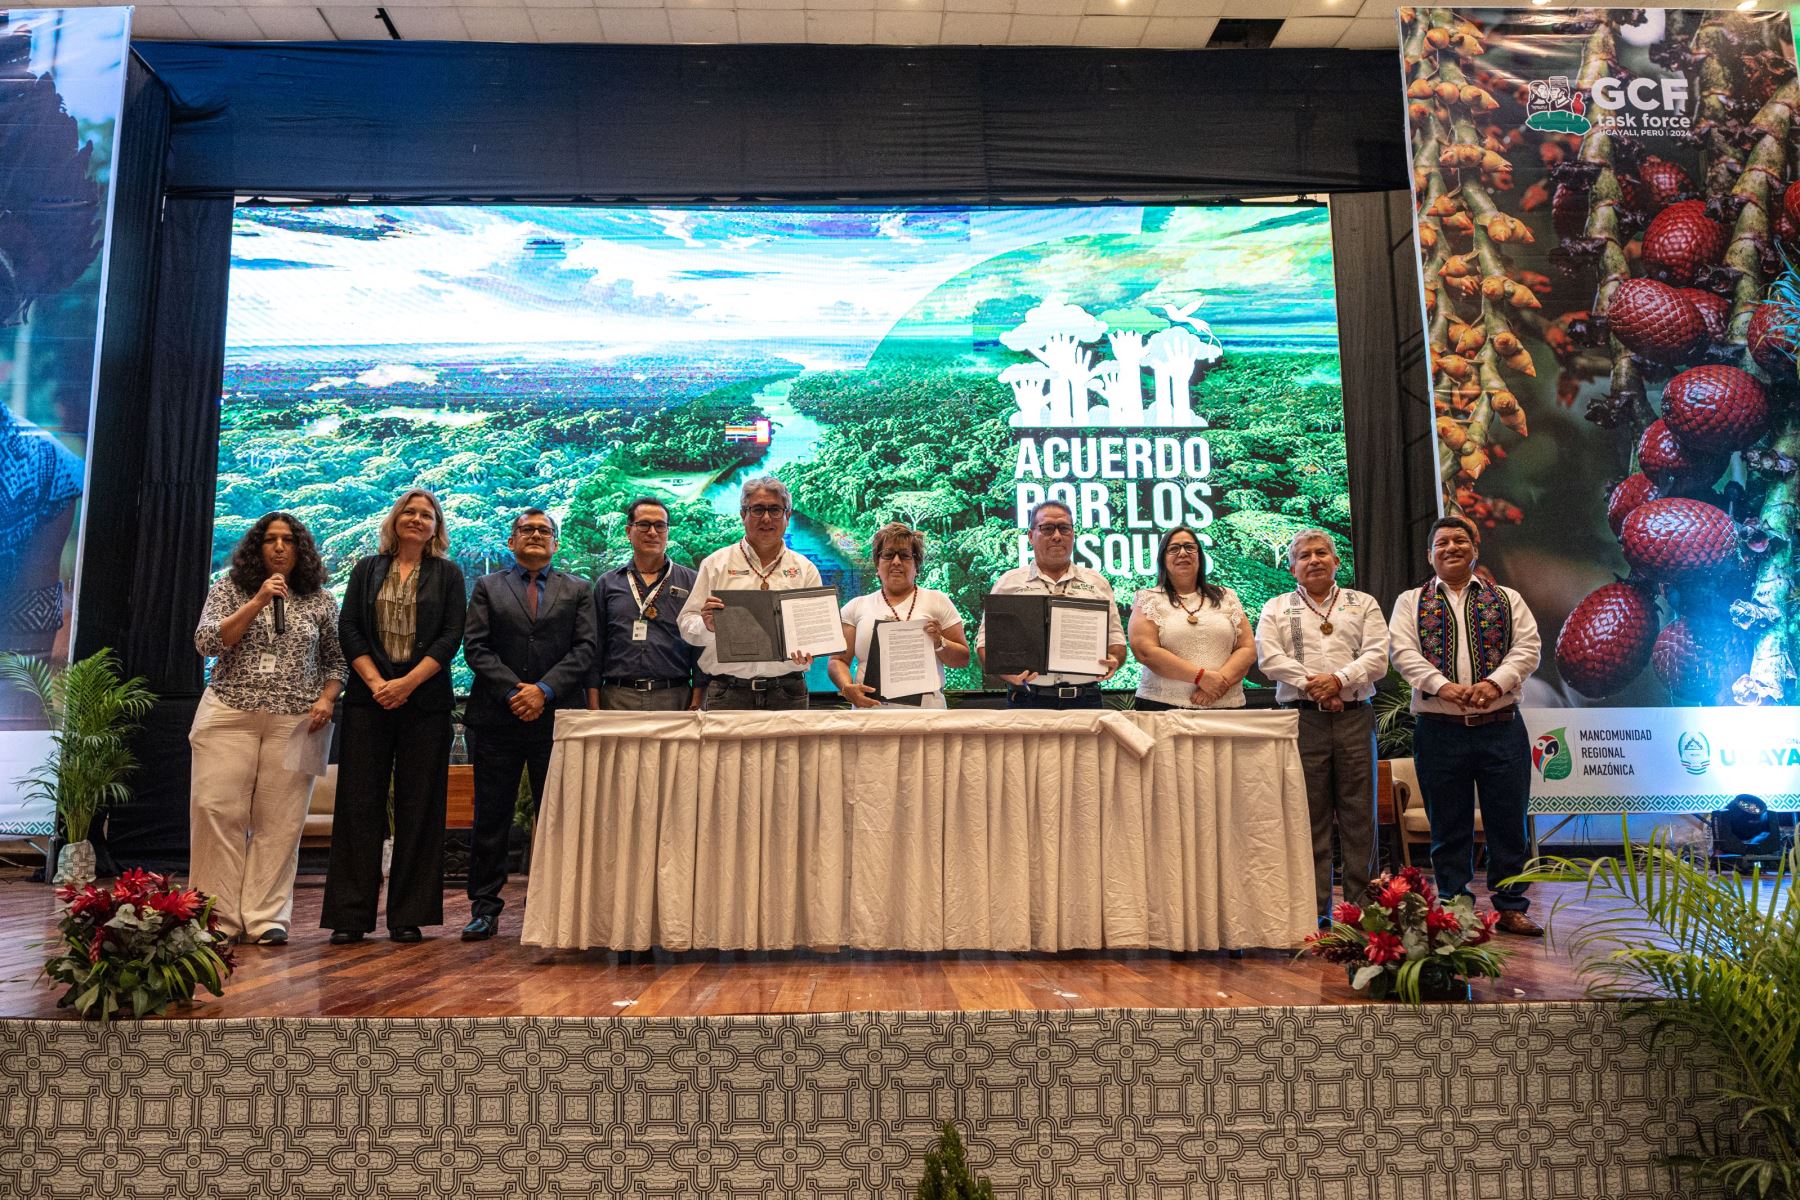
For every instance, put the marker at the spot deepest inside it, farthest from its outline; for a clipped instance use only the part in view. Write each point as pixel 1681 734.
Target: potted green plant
pixel 947 1174
pixel 92 714
pixel 1714 957
pixel 1394 717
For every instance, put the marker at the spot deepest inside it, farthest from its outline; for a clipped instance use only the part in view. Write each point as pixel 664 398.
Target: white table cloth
pixel 908 830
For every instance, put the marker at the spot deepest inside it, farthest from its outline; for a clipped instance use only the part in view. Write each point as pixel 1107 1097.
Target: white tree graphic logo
pixel 1068 386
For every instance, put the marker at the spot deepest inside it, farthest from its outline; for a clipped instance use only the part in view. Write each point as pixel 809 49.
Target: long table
pixel 898 829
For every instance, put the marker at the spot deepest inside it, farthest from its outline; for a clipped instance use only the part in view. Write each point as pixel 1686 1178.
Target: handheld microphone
pixel 280 616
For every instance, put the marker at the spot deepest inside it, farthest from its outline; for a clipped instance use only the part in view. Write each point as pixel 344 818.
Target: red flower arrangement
pixel 1406 943
pixel 136 947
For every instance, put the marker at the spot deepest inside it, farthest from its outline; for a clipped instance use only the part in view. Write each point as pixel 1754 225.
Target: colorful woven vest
pixel 1486 615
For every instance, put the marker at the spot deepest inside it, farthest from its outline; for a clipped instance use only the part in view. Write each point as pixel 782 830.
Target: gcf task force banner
pixel 1605 212
pixel 62 83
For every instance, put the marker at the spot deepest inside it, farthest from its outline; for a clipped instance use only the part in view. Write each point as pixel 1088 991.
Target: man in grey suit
pixel 529 640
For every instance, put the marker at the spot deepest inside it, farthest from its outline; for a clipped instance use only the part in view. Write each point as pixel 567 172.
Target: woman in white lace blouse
pixel 1190 636
pixel 270 677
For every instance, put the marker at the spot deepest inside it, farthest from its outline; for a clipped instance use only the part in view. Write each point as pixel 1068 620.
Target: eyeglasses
pixel 899 556
pixel 1052 528
pixel 535 531
pixel 764 511
pixel 1183 550
pixel 651 526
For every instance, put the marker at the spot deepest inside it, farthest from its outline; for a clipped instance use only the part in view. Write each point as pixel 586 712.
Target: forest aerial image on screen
pixel 942 367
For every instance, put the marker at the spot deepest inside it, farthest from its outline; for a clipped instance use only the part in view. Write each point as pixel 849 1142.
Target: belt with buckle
pixel 1471 719
pixel 1312 706
pixel 645 685
pixel 761 683
pixel 1059 691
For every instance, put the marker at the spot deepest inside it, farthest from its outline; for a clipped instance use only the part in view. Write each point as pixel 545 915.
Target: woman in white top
pixel 899 552
pixel 1191 637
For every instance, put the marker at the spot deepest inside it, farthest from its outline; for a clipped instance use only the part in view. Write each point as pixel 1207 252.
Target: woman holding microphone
pixel 270 628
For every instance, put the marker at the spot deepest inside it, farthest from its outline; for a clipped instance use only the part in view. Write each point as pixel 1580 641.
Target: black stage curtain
pixel 449 120
pixel 172 554
pixel 1388 429
pixel 418 121
pixel 116 439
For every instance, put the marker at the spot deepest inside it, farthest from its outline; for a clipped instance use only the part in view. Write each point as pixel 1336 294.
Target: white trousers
pixel 246 813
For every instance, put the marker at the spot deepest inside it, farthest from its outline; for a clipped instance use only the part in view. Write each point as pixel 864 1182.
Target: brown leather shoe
pixel 1517 923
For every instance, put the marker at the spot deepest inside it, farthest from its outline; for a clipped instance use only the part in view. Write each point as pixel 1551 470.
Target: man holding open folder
pixel 760 562
pixel 1053 572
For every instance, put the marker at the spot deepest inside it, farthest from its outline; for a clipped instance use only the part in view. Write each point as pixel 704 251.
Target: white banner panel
pixel 1610 760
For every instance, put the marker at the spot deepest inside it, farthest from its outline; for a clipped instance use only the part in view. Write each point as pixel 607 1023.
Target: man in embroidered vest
pixel 1326 648
pixel 1466 646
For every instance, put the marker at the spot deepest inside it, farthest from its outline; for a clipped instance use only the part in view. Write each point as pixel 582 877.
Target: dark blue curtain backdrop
pixel 449 120
pixel 421 121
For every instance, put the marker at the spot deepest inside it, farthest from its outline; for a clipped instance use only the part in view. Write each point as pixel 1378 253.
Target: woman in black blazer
pixel 400 626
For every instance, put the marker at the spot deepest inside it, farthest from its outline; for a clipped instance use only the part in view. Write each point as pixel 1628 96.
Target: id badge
pixel 640 631
pixel 266 664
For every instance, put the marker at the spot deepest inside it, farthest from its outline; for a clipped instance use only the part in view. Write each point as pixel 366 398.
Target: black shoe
pixel 343 937
pixel 406 933
pixel 480 929
pixel 275 935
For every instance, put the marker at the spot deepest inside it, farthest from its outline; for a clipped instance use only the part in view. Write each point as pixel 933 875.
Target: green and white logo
pixel 1550 755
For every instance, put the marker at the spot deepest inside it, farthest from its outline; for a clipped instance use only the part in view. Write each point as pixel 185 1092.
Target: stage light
pixel 1746 5
pixel 1746 834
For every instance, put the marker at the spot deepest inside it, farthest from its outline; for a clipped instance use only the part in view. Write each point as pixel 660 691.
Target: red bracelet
pixel 1201 674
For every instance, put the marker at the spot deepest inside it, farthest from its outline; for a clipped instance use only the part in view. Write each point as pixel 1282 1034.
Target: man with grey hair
pixel 1326 648
pixel 760 560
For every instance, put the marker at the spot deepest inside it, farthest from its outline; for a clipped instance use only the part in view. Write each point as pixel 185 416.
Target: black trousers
pixel 499 753
pixel 1455 761
pixel 410 750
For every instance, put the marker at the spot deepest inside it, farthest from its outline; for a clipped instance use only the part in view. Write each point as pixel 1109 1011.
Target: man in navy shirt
pixel 529 640
pixel 642 663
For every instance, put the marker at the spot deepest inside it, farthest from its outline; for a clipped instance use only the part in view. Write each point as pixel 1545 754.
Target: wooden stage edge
pixel 444 977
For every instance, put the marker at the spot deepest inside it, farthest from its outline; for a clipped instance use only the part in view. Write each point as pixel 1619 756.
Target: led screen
pixel 946 367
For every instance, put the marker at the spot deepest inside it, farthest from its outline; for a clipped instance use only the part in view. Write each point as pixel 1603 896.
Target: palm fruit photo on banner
pixel 1607 223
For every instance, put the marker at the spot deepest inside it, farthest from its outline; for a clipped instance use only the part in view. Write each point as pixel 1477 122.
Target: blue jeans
pixel 1454 762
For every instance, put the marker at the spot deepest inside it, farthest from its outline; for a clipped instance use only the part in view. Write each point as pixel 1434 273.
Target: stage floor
pixel 443 977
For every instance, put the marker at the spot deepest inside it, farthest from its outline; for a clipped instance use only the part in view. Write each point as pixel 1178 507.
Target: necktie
pixel 531 595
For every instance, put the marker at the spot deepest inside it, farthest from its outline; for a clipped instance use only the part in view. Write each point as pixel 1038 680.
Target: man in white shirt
pixel 1466 646
pixel 1052 571
pixel 760 561
pixel 1326 647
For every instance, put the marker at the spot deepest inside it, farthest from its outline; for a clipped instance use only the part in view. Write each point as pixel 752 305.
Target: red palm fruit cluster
pixel 1661 454
pixel 1715 409
pixel 1673 540
pixel 1771 337
pixel 1681 241
pixel 1607 639
pixel 1714 310
pixel 1790 202
pixel 1698 660
pixel 1655 321
pixel 1666 182
pixel 1635 490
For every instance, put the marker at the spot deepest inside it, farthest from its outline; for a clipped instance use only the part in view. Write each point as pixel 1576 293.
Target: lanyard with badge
pixel 646 603
pixel 265 665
